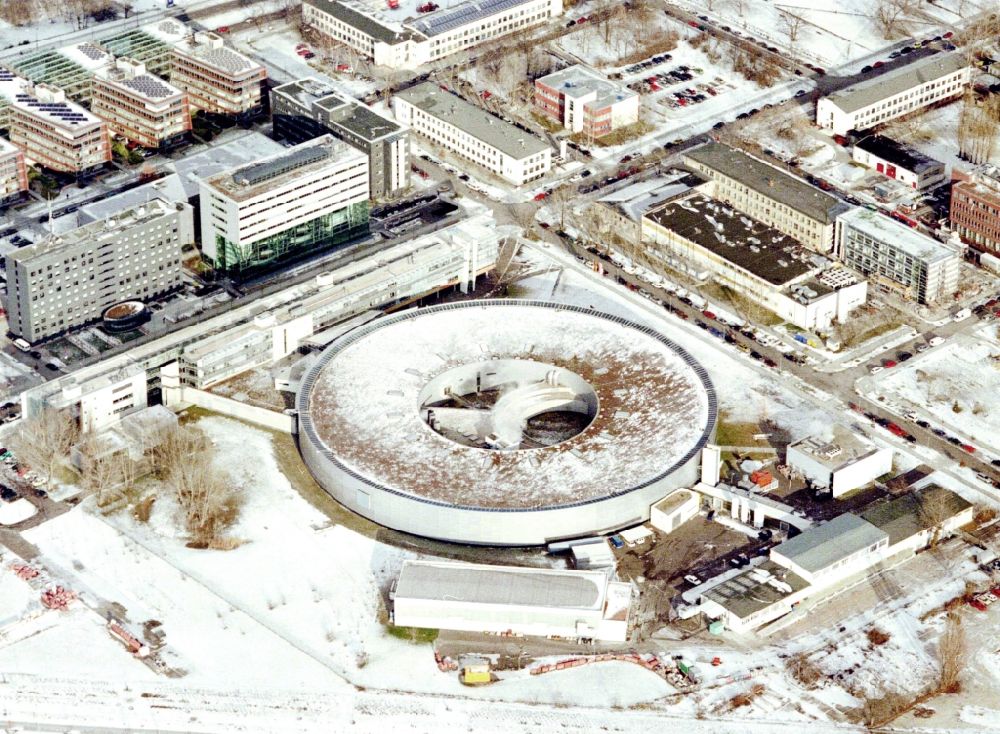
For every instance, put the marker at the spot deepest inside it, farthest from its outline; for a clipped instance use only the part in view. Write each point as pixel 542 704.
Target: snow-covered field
pixel 956 384
pixel 16 511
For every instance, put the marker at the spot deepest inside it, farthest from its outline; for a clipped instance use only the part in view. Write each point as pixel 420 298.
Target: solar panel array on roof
pixel 92 51
pixel 148 86
pixel 223 58
pixel 59 110
pixel 446 20
pixel 258 172
pixel 6 75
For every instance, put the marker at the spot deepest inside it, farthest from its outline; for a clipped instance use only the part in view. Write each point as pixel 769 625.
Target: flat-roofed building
pixel 674 510
pixel 216 78
pixel 705 237
pixel 472 133
pixel 752 597
pixel 827 553
pixel 842 461
pixel 879 99
pixel 584 100
pixel 975 209
pixel 899 161
pixel 768 194
pixel 56 133
pixel 623 209
pixel 919 518
pixel 405 35
pixel 69 279
pixel 13 173
pixel 305 199
pixel 507 599
pixel 308 108
pixel 140 107
pixel 898 257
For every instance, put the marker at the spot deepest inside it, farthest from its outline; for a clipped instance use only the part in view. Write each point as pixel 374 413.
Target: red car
pixel 889 363
pixel 968 449
pixel 486 94
pixel 949 34
pixel 582 19
pixel 995 591
pixel 222 29
pixel 540 196
pixel 976 604
pixel 895 430
pixel 708 314
pixel 878 64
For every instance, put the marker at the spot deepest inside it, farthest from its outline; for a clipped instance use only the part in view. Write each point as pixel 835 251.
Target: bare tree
pixel 889 15
pixel 562 198
pixel 20 12
pixel 45 440
pixel 953 654
pixel 977 127
pixel 935 509
pixel 507 268
pixel 792 24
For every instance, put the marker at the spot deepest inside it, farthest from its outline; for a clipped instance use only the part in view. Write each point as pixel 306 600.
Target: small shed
pixel 636 536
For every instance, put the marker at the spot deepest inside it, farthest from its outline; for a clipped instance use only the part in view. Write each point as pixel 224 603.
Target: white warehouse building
pixel 894 94
pixel 472 133
pixel 827 553
pixel 843 463
pixel 398 35
pixel 512 600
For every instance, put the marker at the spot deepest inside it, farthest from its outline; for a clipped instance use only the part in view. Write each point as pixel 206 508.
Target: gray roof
pixel 911 513
pixel 772 182
pixel 579 80
pixel 223 157
pixel 512 586
pixel 744 594
pixel 364 23
pixel 897 81
pixel 636 199
pixel 448 19
pixel 479 123
pixel 900 236
pixel 821 546
pixel 169 188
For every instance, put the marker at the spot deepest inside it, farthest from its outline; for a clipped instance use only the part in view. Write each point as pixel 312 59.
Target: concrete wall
pixel 178 397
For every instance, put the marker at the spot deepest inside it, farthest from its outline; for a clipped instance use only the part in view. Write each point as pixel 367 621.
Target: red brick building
pixel 975 209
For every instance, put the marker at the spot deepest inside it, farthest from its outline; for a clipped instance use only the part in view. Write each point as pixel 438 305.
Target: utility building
pixel 841 464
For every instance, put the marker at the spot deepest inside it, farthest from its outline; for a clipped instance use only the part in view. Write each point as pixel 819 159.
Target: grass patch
pixel 877 330
pixel 551 125
pixel 416 635
pixel 737 433
pixel 618 137
pixel 740 304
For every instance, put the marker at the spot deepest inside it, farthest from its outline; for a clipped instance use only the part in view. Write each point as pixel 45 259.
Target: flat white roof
pixel 885 229
pixel 866 93
pixel 579 81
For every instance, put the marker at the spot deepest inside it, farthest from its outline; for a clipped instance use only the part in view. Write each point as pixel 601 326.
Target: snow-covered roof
pixel 656 404
pixel 822 546
pixel 579 81
pixel 868 92
pixel 897 235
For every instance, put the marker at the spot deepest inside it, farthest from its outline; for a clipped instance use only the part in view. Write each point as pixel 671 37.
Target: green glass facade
pixel 316 234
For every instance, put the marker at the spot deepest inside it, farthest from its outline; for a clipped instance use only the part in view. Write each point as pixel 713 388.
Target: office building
pixel 768 194
pixel 307 198
pixel 584 101
pixel 706 238
pixel 901 259
pixel 69 279
pixel 899 92
pixel 55 133
pixel 975 209
pixel 621 212
pixel 472 133
pixel 140 107
pixel 13 174
pixel 307 108
pixel 217 79
pixel 898 161
pixel 401 34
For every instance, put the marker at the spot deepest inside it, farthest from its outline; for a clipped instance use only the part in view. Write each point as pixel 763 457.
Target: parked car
pixel 692 579
pixel 617 542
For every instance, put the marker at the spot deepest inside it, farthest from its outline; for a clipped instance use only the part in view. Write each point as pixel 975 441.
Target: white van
pixel 22 345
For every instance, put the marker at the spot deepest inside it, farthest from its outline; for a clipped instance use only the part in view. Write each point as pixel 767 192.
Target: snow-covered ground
pixel 935 133
pixel 955 385
pixel 16 511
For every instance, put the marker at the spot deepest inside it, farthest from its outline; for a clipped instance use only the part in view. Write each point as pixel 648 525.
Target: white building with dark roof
pixel 140 107
pixel 584 100
pixel 512 600
pixel 472 133
pixel 896 93
pixel 403 34
pixel 842 462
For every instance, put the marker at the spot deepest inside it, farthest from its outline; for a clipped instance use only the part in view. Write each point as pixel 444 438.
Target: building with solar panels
pixel 400 36
pixel 140 107
pixel 308 198
pixel 67 280
pixel 217 79
pixel 55 133
pixel 541 602
pixel 13 174
pixel 305 109
pixel 472 133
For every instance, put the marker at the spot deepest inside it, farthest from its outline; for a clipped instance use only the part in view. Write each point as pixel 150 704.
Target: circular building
pixel 504 422
pixel 125 316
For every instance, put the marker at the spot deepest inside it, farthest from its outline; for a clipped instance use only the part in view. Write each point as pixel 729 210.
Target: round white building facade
pixel 504 422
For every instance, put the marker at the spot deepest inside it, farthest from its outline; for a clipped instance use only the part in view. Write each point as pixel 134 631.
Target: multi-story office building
pixel 307 108
pixel 67 280
pixel 216 78
pixel 13 174
pixel 307 198
pixel 56 133
pixel 472 133
pixel 400 36
pixel 879 99
pixel 139 106
pixel 768 194
pixel 975 209
pixel 899 258
pixel 899 161
pixel 583 100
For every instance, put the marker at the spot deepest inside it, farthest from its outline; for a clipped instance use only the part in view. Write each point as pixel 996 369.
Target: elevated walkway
pixel 752 508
